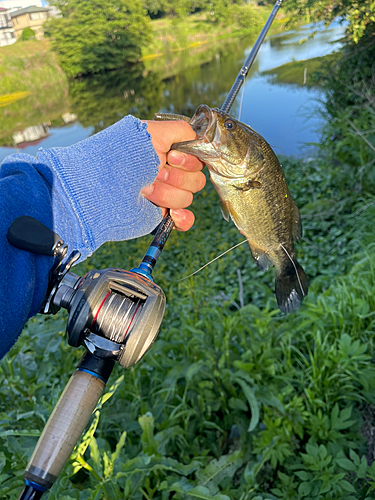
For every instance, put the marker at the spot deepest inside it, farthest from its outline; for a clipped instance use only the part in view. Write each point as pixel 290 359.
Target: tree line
pixel 93 37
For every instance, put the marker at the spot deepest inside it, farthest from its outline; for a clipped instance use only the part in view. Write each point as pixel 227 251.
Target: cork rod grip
pixel 64 428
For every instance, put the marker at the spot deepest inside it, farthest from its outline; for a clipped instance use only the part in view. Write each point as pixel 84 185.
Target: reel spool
pixel 116 314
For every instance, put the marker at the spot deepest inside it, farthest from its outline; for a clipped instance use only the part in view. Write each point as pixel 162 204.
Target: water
pixel 286 116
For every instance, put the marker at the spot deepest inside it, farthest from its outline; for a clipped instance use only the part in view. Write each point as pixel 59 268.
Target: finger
pixel 165 133
pixel 184 161
pixel 188 181
pixel 165 195
pixel 183 219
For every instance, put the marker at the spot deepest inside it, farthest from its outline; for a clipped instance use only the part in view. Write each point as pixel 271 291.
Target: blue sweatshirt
pixel 88 194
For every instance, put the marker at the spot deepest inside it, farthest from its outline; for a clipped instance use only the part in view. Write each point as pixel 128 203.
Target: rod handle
pixel 64 428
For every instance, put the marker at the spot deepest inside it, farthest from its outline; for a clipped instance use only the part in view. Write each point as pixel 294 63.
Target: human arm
pixel 88 193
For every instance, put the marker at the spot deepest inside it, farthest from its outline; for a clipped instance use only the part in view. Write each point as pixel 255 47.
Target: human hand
pixel 179 174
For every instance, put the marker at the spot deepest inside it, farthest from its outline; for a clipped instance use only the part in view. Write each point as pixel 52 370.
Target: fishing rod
pixel 232 94
pixel 115 314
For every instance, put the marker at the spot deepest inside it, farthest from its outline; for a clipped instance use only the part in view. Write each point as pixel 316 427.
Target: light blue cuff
pixel 96 186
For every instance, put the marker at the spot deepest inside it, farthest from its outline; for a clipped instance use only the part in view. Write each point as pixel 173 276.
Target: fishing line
pixel 213 260
pixel 242 93
pixel 291 260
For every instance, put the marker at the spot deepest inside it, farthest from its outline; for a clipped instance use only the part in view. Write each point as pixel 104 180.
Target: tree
pixel 359 13
pixel 170 8
pixel 93 37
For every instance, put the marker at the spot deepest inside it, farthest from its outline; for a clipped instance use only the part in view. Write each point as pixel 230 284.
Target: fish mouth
pixel 203 121
pixel 204 125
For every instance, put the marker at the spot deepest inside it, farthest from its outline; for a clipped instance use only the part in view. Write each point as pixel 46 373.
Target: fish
pixel 253 193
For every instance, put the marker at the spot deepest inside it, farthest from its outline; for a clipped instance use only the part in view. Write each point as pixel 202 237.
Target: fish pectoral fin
pixel 228 211
pixel 234 216
pixel 262 258
pixel 225 210
pixel 246 186
pixel 170 116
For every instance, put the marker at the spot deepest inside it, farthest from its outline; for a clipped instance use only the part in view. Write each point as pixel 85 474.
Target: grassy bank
pixel 301 73
pixel 197 29
pixel 33 88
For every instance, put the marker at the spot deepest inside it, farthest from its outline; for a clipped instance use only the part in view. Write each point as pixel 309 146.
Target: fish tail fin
pixel 291 285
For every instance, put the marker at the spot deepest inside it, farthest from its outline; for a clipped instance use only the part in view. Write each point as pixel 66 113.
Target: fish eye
pixel 229 124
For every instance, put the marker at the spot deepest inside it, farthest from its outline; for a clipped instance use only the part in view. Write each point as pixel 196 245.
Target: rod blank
pixel 249 61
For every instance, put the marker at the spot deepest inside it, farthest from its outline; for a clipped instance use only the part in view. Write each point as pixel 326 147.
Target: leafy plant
pixel 92 38
pixel 28 34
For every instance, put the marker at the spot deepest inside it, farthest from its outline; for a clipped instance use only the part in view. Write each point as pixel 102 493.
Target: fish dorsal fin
pixel 170 116
pixel 262 259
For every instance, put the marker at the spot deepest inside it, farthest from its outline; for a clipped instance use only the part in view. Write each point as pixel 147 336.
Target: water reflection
pixel 296 45
pixel 207 83
pixel 33 134
pixel 284 115
pixel 178 83
pixel 101 101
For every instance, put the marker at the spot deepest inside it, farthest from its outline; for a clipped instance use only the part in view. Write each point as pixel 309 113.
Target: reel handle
pixel 27 233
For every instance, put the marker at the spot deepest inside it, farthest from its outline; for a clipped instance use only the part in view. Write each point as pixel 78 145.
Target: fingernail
pixel 148 190
pixel 163 175
pixel 179 214
pixel 176 158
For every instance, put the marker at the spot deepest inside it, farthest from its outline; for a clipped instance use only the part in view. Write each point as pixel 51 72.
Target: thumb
pixel 165 133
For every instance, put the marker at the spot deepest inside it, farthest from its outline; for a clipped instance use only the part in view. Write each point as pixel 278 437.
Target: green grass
pixel 231 402
pixel 197 29
pixel 31 66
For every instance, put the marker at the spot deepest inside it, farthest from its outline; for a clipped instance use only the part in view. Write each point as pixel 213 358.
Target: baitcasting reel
pixel 115 314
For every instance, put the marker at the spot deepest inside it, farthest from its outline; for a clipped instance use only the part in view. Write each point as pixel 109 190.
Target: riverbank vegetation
pixel 93 38
pixel 33 87
pixel 235 401
pixel 359 15
pixel 174 34
pixel 349 109
pixel 301 73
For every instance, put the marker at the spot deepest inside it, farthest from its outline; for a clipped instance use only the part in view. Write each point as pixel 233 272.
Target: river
pixel 285 115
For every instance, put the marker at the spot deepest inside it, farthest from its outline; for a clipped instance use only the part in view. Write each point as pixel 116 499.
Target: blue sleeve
pixel 88 193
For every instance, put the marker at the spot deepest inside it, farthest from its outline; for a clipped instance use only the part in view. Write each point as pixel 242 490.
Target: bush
pixel 349 111
pixel 28 34
pixel 94 37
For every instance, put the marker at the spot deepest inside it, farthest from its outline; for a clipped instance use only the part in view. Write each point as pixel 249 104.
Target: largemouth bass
pixel 253 193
